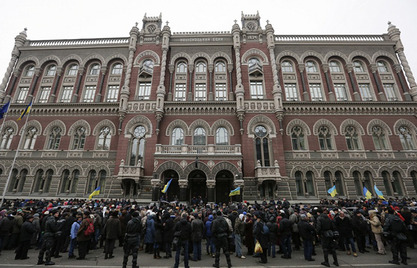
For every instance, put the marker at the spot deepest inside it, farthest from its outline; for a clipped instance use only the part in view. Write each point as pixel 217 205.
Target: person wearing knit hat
pixel 306 231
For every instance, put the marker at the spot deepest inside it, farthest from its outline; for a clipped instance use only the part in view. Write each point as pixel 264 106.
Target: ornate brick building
pixel 278 115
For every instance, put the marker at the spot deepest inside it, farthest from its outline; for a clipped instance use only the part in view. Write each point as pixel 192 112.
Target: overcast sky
pixel 54 19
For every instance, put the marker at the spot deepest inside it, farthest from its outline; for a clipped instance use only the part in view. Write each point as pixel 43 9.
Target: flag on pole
pixel 332 191
pixel 367 193
pixel 166 187
pixel 4 109
pixel 235 192
pixel 379 193
pixel 94 193
pixel 26 111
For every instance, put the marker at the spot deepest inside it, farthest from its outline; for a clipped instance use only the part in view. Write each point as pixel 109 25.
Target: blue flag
pixel 4 109
pixel 94 193
pixel 367 193
pixel 166 187
pixel 378 192
pixel 332 191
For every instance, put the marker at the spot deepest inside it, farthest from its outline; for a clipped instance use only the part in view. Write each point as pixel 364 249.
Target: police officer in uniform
pixel 132 239
pixel 220 230
pixel 48 238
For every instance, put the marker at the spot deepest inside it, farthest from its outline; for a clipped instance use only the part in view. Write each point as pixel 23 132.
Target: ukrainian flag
pixel 94 193
pixel 235 192
pixel 332 191
pixel 26 111
pixel 379 193
pixel 166 187
pixel 3 110
pixel 367 193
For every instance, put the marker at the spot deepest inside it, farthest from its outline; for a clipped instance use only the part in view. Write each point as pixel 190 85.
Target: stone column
pixel 210 84
pixel 240 92
pixel 100 88
pixel 183 189
pixel 190 80
pixel 211 186
pixel 156 189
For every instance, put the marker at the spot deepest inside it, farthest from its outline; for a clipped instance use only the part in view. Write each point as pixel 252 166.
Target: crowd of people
pixel 242 229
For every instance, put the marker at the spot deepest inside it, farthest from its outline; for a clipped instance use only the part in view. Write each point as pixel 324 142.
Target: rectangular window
pixel 89 93
pixel 112 93
pixel 180 91
pixel 365 92
pixel 200 92
pixel 144 90
pixel 23 93
pixel 340 91
pixel 66 94
pixel 291 92
pixel 389 92
pixel 256 90
pixel 315 92
pixel 44 94
pixel 221 93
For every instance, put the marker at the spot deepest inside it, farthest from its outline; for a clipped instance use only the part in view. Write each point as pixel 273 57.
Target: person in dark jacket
pixel 273 234
pixel 183 230
pixel 396 230
pixel 220 231
pixel 59 235
pixel 261 236
pixel 5 227
pixel 210 248
pixel 158 236
pixel 26 232
pixel 285 228
pixel 168 229
pixel 132 240
pixel 239 234
pixel 360 228
pixel 48 238
pixel 325 228
pixel 306 231
pixel 197 229
pixel 249 240
pixel 344 227
pixel 112 231
pixel 83 240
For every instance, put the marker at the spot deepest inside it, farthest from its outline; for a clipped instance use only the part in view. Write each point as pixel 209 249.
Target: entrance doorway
pixel 267 189
pixel 224 184
pixel 129 188
pixel 173 191
pixel 197 187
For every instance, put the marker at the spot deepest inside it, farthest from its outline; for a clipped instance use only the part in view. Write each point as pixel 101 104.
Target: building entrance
pixel 173 192
pixel 224 184
pixel 129 188
pixel 197 188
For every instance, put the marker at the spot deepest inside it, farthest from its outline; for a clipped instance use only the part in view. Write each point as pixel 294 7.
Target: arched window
pixel 74 180
pixel 352 139
pixel 30 71
pixel 92 181
pixel 137 145
pixel 30 138
pixel 287 67
pixel 181 67
pixel 222 136
pixel 299 183
pixel 51 70
pixel 199 137
pixel 413 176
pixel 147 66
pixel 379 138
pixel 311 67
pixel 6 138
pixel 396 183
pixel 13 180
pixel 177 137
pixel 334 67
pixel 382 66
pixel 220 67
pixel 79 139
pixel 117 69
pixel 339 183
pixel 358 183
pixel 72 70
pixel 368 182
pixel 65 181
pixel 309 184
pixel 104 139
pixel 200 67
pixel 358 67
pixel 387 182
pixel 406 138
pixel 328 180
pixel 325 138
pixel 262 146
pixel 254 64
pixel 43 181
pixel 54 138
pixel 95 69
pixel 297 138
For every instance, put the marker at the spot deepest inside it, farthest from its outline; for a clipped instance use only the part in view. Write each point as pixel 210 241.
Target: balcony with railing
pixel 210 149
pixel 264 173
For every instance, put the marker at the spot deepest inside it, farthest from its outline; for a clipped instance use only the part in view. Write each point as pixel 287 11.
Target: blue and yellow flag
pixel 94 193
pixel 379 193
pixel 4 109
pixel 367 193
pixel 166 187
pixel 26 111
pixel 332 191
pixel 235 192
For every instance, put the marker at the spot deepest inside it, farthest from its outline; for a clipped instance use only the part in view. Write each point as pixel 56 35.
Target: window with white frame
pixel 256 90
pixel 334 67
pixel 181 67
pixel 72 70
pixel 79 138
pixel 23 93
pixel 286 67
pixel 389 92
pixel 358 67
pixel 325 138
pixel 382 66
pixel 89 94
pixel 95 69
pixel 144 90
pixel 311 67
pixel 180 91
pixel 51 71
pixel 291 92
pixel 137 145
pixel 379 138
pixel 117 69
pixel 365 91
pixel 221 92
pixel 298 138
pixel 222 136
pixel 30 71
pixel 66 94
pixel 54 138
pixel 6 138
pixel 200 67
pixel 44 94
pixel 315 92
pixel 177 137
pixel 199 137
pixel 262 146
pixel 406 138
pixel 112 93
pixel 340 90
pixel 200 92
pixel 30 138
pixel 104 138
pixel 220 67
pixel 352 138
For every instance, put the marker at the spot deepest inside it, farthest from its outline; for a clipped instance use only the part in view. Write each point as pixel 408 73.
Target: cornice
pixel 206 107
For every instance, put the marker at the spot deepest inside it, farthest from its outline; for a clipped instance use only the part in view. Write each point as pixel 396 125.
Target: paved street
pixel 96 259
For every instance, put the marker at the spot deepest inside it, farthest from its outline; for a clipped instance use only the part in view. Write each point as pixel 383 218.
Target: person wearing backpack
pixel 73 235
pixel 261 234
pixel 220 230
pixel 396 230
pixel 84 235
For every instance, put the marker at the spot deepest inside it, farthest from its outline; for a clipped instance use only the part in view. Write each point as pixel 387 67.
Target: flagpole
pixel 14 159
pixel 4 118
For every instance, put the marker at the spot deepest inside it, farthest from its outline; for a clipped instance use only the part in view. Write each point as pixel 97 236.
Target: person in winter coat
pixel 183 230
pixel 344 227
pixel 5 226
pixel 239 234
pixel 73 235
pixel 360 228
pixel 48 238
pixel 210 247
pixel 249 239
pixel 285 228
pixel 132 240
pixel 26 232
pixel 158 236
pixel 306 231
pixel 261 236
pixel 376 228
pixel 221 232
pixel 112 231
pixel 273 234
pixel 82 239
pixel 168 229
pixel 17 224
pixel 37 224
pixel 150 233
pixel 197 229
pixel 396 230
pixel 325 228
pixel 295 236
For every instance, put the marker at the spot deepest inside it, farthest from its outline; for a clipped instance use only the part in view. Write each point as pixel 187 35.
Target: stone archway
pixel 197 186
pixel 173 191
pixel 224 184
